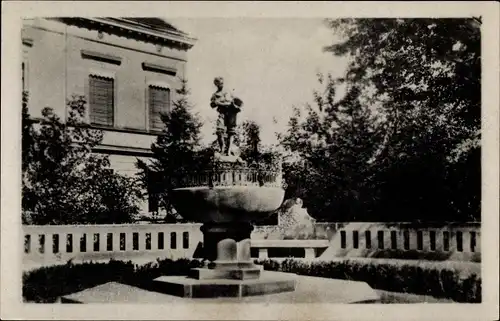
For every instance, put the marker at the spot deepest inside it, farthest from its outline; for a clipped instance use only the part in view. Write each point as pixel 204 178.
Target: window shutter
pixel 101 100
pixel 159 102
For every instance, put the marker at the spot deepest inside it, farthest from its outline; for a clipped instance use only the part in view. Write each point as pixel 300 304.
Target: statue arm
pixel 223 101
pixel 213 101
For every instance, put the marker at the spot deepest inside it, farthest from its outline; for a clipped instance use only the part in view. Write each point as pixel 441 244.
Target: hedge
pixel 438 279
pixel 47 284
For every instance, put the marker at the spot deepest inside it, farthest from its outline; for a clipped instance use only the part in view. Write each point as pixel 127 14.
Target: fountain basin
pixel 226 204
pixel 228 199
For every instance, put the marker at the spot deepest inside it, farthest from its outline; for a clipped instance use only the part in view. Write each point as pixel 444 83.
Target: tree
pixel 333 147
pixel 63 181
pixel 251 147
pixel 424 77
pixel 176 152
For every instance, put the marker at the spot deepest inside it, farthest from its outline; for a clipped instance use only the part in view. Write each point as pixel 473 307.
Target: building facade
pixel 127 68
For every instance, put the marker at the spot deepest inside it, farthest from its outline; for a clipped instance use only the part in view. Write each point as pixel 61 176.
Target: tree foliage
pixel 177 151
pixel 64 182
pixel 403 143
pixel 253 151
pixel 334 147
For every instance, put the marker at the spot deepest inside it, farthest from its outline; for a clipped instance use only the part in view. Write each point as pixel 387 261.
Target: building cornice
pixel 129 29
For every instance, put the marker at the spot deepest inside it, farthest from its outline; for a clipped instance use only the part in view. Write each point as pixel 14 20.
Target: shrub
pixel 63 181
pixel 47 284
pixel 438 279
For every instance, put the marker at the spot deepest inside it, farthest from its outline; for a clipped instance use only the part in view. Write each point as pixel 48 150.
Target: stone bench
pixel 309 246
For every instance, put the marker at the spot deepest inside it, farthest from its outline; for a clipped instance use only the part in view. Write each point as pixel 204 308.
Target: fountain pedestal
pixel 226 202
pixel 231 272
pixel 227 247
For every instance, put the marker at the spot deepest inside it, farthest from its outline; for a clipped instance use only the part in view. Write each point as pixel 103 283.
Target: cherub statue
pixel 228 107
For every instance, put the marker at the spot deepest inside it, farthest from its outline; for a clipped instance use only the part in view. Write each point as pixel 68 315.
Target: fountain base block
pixel 188 287
pixel 227 274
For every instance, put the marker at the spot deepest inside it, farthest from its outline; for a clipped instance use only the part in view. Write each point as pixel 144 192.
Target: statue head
pixel 219 82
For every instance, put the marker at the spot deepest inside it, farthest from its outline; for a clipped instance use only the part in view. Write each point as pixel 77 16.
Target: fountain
pixel 227 196
pixel 226 199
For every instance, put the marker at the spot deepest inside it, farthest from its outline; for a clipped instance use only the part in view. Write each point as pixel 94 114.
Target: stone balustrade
pixel 51 244
pixel 454 241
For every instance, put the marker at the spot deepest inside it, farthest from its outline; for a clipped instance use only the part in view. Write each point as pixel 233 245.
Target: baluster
pixel 96 241
pixel 413 239
pixel 103 240
pixel 61 243
pixel 116 241
pixel 89 241
pixel 75 244
pixel 142 241
pixel 130 241
pixel 154 240
pixel 32 243
pixel 147 241
pixel 426 246
pixel 466 241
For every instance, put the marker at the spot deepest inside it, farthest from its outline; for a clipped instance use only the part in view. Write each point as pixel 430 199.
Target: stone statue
pixel 294 220
pixel 228 107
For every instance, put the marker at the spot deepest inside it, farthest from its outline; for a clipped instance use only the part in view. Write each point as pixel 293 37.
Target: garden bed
pixel 437 279
pixel 400 280
pixel 47 284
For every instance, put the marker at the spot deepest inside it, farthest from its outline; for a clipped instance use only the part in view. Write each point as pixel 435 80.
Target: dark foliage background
pixel 397 138
pixel 403 142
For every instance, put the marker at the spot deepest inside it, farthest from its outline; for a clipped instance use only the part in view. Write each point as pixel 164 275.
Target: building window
pixel 159 102
pixel 101 100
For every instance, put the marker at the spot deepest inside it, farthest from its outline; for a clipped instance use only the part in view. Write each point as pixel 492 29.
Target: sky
pixel 271 64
